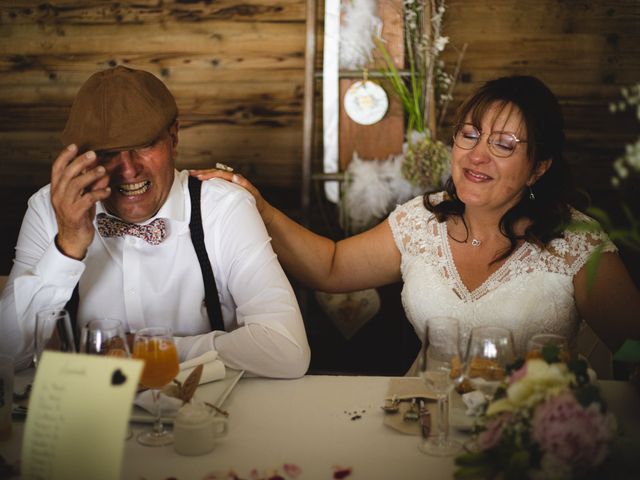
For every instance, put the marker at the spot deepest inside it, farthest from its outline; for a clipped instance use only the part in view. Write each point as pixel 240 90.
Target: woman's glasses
pixel 501 144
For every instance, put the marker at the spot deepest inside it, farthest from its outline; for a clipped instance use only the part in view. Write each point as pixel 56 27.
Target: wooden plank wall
pixel 236 68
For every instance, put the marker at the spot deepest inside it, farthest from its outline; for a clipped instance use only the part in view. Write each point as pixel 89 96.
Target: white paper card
pixel 78 415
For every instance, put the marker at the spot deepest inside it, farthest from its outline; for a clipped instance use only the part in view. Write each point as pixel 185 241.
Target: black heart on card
pixel 118 378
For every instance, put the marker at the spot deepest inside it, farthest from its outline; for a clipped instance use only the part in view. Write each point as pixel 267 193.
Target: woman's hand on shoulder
pixel 228 174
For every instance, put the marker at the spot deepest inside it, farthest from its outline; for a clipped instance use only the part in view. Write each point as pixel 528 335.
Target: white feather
pixel 374 188
pixel 359 25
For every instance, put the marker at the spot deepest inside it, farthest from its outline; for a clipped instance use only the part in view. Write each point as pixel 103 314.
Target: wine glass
pixel 440 369
pixel 541 341
pixel 490 350
pixel 53 332
pixel 104 336
pixel 155 346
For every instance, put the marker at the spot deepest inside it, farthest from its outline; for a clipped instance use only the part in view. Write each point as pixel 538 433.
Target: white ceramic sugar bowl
pixel 196 429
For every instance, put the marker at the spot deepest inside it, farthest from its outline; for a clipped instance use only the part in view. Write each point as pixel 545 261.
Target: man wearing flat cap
pixel 120 233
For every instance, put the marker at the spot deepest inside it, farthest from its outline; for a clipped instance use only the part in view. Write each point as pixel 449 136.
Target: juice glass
pixel 155 346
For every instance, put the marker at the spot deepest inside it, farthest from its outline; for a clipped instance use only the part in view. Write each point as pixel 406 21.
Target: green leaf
pixel 516 365
pixel 628 352
pixel 600 215
pixel 411 98
pixel 551 353
pixel 635 223
pixel 519 463
pixel 500 392
pixel 592 265
pixel 584 227
pixel 472 459
pixel 580 369
pixel 589 394
pixel 474 465
pixel 479 472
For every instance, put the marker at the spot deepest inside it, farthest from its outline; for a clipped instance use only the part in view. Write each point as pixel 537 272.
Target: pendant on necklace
pixel 475 242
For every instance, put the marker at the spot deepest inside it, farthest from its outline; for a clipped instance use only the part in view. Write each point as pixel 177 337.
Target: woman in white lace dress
pixel 492 248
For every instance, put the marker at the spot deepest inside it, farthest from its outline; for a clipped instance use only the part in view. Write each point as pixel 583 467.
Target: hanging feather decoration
pixel 358 28
pixel 373 190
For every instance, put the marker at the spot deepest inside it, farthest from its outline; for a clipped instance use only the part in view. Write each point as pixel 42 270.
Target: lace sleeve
pixel 576 247
pixel 412 224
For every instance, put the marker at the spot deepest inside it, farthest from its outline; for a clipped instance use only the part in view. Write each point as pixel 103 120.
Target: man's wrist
pixel 76 254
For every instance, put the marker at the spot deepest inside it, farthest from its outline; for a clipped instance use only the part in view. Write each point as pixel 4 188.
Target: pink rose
pixel 518 374
pixel 574 435
pixel 490 437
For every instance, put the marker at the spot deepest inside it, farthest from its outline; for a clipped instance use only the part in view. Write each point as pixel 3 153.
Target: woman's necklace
pixel 474 241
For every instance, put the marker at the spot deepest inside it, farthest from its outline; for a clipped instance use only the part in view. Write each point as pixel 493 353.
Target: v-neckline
pixel 479 291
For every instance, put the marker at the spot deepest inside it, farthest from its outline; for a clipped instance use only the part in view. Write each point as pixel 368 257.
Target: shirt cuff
pixel 55 268
pixel 196 345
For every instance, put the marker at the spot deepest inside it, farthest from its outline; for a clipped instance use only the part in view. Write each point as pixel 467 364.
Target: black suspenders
pixel 72 308
pixel 211 299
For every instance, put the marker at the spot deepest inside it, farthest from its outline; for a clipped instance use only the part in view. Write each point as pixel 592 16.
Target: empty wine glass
pixel 540 341
pixel 53 332
pixel 104 336
pixel 155 346
pixel 490 350
pixel 440 369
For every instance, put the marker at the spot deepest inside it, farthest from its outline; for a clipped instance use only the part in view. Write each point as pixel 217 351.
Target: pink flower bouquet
pixel 546 422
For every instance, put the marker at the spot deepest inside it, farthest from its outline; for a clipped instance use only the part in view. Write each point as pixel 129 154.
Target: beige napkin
pixel 406 388
pixel 213 369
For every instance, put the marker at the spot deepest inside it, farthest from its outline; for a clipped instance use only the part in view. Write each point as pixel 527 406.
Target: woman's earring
pixel 531 195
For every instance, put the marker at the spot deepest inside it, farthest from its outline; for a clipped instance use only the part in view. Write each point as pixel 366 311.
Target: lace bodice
pixel 532 292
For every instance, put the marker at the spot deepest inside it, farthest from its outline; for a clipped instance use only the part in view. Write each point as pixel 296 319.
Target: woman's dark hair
pixel 549 212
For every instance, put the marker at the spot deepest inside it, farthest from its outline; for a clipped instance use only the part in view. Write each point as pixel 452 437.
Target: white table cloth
pixel 316 423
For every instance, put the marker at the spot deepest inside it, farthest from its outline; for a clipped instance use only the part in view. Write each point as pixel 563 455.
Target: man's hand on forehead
pixel 77 184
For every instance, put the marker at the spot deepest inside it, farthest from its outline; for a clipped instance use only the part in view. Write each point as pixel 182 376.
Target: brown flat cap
pixel 119 109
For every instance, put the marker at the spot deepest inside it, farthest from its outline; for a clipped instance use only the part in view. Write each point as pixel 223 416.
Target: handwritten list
pixel 78 415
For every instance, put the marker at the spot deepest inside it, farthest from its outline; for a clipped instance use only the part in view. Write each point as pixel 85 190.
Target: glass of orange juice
pixel 155 346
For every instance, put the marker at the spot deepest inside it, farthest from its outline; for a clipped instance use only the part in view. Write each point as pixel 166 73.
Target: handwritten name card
pixel 78 415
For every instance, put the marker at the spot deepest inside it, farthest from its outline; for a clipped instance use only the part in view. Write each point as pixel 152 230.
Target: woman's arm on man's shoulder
pixel 366 260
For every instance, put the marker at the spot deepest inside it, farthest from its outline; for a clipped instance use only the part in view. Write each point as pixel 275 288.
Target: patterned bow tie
pixel 153 233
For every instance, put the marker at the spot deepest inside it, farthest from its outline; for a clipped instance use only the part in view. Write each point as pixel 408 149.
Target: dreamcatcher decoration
pixel 366 102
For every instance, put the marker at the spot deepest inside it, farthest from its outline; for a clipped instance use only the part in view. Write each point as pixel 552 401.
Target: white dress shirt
pixel 146 285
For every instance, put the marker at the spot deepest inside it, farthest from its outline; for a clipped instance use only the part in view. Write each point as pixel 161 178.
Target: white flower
pixel 537 382
pixel 440 43
pixel 621 169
